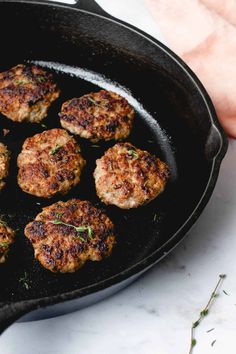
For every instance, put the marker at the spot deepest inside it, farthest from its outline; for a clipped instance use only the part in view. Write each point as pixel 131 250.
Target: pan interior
pixel 165 125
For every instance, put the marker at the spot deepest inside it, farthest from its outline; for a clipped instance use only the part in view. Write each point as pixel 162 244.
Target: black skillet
pixel 174 119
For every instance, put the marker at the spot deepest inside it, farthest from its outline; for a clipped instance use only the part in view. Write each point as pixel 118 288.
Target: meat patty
pixel 67 234
pixel 98 116
pixel 6 240
pixel 4 164
pixel 26 93
pixel 50 163
pixel 129 177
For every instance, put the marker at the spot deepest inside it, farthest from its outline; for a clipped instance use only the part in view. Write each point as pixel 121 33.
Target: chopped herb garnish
pixel 55 149
pixel 4 244
pixel 154 217
pixel 22 82
pixel 41 78
pixel 95 146
pixel 77 228
pixel 43 126
pixel 25 281
pixel 224 291
pixel 210 330
pixel 99 104
pixel 133 153
pixel 213 342
pixel 205 312
pixel 3 223
pixel 194 342
pixel 59 215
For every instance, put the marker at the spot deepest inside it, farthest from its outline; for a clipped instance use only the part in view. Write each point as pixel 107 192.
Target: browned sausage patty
pixel 67 234
pixel 4 164
pixel 26 93
pixel 129 177
pixel 98 116
pixel 6 240
pixel 50 163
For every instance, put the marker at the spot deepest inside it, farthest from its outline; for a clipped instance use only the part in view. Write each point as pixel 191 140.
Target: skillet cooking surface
pixel 176 130
pixel 135 228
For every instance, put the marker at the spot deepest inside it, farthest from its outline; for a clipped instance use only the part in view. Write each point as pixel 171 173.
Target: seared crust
pixel 59 246
pixel 129 177
pixel 26 93
pixel 50 163
pixel 4 164
pixel 103 115
pixel 6 240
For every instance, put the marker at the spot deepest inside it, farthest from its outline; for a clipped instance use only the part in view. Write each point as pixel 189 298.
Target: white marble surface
pixel 154 315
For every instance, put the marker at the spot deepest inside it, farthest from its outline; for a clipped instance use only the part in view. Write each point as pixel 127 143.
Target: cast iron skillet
pixel 174 119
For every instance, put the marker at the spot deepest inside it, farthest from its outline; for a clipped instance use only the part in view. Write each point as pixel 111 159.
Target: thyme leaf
pixel 204 313
pixel 213 342
pixel 55 149
pixel 210 330
pixel 21 82
pixel 133 153
pixel 94 102
pixel 41 78
pixel 4 244
pixel 25 281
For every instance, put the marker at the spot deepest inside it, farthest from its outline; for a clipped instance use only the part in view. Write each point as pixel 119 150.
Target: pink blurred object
pixel 203 34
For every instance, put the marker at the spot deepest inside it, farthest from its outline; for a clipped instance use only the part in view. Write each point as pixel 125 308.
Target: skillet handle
pixel 91 6
pixel 10 312
pixel 216 144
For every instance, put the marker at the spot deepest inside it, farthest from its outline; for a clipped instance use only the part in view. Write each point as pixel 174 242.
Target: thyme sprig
pixel 78 229
pixel 205 312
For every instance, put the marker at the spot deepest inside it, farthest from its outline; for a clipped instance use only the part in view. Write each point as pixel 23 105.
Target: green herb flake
pixel 225 292
pixel 43 126
pixel 204 313
pixel 213 342
pixel 4 244
pixel 210 330
pixel 59 215
pixel 21 82
pixel 95 146
pixel 133 153
pixel 194 342
pixel 195 324
pixel 55 149
pixel 94 102
pixel 2 222
pixel 222 276
pixel 41 78
pixel 25 281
